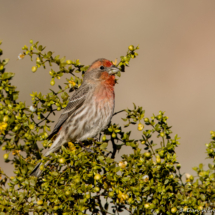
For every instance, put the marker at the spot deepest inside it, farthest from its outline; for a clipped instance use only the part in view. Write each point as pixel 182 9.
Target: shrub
pixel 75 181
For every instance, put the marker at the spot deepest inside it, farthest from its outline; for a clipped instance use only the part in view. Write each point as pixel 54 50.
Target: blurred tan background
pixel 174 72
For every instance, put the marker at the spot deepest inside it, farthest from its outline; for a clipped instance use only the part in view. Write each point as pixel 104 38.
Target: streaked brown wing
pixel 75 102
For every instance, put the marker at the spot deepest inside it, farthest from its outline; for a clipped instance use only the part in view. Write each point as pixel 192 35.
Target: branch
pixel 33 121
pixel 46 117
pixel 114 148
pixel 100 206
pixel 118 112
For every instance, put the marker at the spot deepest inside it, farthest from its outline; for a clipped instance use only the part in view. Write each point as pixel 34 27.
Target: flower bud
pixel 147 154
pixel 31 126
pixel 178 166
pixel 185 209
pixel 97 176
pixel 69 62
pixel 6 118
pixel 52 82
pixel 97 189
pixel 40 202
pixel 131 48
pixel 146 120
pixel 6 156
pixel 200 208
pixel 111 194
pixel 173 210
pixel 158 160
pixel 34 69
pixel 62 160
pixel 104 138
pixel 162 134
pixel 114 135
pixel 146 206
pixel 140 127
pixel 67 193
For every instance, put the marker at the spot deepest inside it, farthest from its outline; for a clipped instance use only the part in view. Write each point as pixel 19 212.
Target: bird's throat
pixel 108 80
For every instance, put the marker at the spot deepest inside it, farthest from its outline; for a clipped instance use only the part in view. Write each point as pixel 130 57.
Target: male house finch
pixel 89 110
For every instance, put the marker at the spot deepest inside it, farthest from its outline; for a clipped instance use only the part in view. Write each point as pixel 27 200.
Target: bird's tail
pixel 36 171
pixel 55 147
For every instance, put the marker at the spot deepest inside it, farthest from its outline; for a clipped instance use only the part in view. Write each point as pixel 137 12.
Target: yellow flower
pixel 72 83
pixel 71 146
pixel 16 152
pixel 49 145
pixel 28 158
pixel 123 164
pixel 3 126
pixel 140 127
pixel 115 62
pixel 21 56
pixel 122 196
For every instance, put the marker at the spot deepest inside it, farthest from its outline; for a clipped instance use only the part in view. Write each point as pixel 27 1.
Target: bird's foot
pixel 96 139
pixel 87 149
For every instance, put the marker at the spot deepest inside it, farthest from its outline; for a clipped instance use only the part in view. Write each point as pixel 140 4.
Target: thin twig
pixel 100 206
pixel 33 120
pixel 46 117
pixel 114 148
pixel 118 112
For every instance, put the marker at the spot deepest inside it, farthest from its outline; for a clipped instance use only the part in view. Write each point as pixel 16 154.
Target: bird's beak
pixel 113 70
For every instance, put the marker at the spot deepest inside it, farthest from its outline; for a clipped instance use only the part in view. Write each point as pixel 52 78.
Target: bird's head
pixel 99 69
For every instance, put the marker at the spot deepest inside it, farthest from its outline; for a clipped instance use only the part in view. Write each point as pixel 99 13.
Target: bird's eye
pixel 101 67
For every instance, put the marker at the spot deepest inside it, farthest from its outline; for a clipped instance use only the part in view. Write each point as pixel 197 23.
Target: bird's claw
pixel 96 139
pixel 89 150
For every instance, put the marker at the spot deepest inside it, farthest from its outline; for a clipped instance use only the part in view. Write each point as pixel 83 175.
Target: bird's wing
pixel 75 102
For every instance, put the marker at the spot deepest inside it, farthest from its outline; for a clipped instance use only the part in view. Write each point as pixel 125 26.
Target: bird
pixel 89 110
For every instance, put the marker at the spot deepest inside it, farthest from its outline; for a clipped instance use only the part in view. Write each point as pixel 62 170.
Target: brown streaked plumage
pixel 89 110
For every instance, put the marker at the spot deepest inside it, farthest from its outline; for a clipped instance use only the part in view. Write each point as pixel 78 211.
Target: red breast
pixel 105 90
pixel 108 80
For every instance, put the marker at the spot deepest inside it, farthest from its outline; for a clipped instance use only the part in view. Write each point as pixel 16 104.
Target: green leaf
pixel 100 157
pixel 7 75
pixel 104 146
pixel 15 95
pixel 200 166
pixel 166 181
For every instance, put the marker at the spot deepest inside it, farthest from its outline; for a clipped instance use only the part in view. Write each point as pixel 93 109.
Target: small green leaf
pixel 104 146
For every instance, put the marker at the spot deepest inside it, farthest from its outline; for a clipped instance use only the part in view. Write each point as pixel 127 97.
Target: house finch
pixel 89 110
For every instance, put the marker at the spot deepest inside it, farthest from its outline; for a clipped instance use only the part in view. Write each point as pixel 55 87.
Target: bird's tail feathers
pixel 55 147
pixel 36 171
